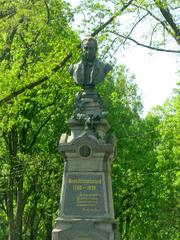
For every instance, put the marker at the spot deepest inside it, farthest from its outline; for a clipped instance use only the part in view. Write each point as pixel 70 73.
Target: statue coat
pixel 97 73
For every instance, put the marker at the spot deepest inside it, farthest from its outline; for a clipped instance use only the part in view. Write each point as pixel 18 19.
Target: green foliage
pixel 146 169
pixel 147 23
pixel 34 37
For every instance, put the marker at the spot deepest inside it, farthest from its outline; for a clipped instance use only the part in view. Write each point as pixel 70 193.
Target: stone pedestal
pixel 86 205
pixel 85 229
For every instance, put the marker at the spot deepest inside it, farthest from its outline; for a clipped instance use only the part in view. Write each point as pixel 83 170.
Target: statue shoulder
pixel 71 69
pixel 74 67
pixel 106 66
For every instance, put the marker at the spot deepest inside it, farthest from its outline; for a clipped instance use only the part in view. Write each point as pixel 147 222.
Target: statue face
pixel 89 50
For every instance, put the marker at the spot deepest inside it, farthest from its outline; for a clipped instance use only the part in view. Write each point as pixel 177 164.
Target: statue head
pixel 89 49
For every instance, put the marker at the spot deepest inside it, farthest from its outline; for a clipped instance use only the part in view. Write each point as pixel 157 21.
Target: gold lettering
pixel 84 181
pixel 77 187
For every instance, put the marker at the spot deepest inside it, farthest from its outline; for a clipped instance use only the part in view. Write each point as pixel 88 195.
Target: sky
pixel 156 73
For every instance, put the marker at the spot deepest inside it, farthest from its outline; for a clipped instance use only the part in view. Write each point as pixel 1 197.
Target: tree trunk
pixel 15 186
pixel 128 220
pixel 15 219
pixel 10 207
pixel 49 228
pixel 19 209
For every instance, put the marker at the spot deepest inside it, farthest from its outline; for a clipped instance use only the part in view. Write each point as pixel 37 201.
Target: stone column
pixel 86 205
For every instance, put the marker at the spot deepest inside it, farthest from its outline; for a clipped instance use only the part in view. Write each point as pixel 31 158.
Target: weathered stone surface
pixel 85 230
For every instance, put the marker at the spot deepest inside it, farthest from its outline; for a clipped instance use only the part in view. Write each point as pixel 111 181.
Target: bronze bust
pixel 90 70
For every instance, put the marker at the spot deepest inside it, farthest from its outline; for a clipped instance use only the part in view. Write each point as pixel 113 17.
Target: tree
pixel 146 181
pixel 36 42
pixel 108 18
pixel 168 166
pixel 152 24
pixel 32 34
pixel 121 97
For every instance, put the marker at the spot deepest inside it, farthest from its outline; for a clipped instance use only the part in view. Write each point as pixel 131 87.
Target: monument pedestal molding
pixel 86 205
pixel 86 211
pixel 85 229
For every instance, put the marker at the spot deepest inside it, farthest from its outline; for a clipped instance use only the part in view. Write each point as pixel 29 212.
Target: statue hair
pixel 89 39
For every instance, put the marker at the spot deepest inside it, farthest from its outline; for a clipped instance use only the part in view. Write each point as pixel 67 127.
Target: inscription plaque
pixel 84 195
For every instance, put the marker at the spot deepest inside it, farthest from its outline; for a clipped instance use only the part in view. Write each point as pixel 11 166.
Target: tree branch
pixel 109 47
pixel 7 13
pixel 48 12
pixel 163 23
pixel 144 45
pixel 111 19
pixel 39 109
pixel 136 25
pixel 28 48
pixel 38 82
pixel 3 207
pixel 168 17
pixel 152 33
pixel 9 41
pixel 40 128
pixel 63 62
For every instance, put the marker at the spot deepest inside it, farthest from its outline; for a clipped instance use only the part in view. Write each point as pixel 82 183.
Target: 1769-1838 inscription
pixel 84 195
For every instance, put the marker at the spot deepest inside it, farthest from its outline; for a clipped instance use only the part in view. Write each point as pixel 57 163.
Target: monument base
pixel 85 229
